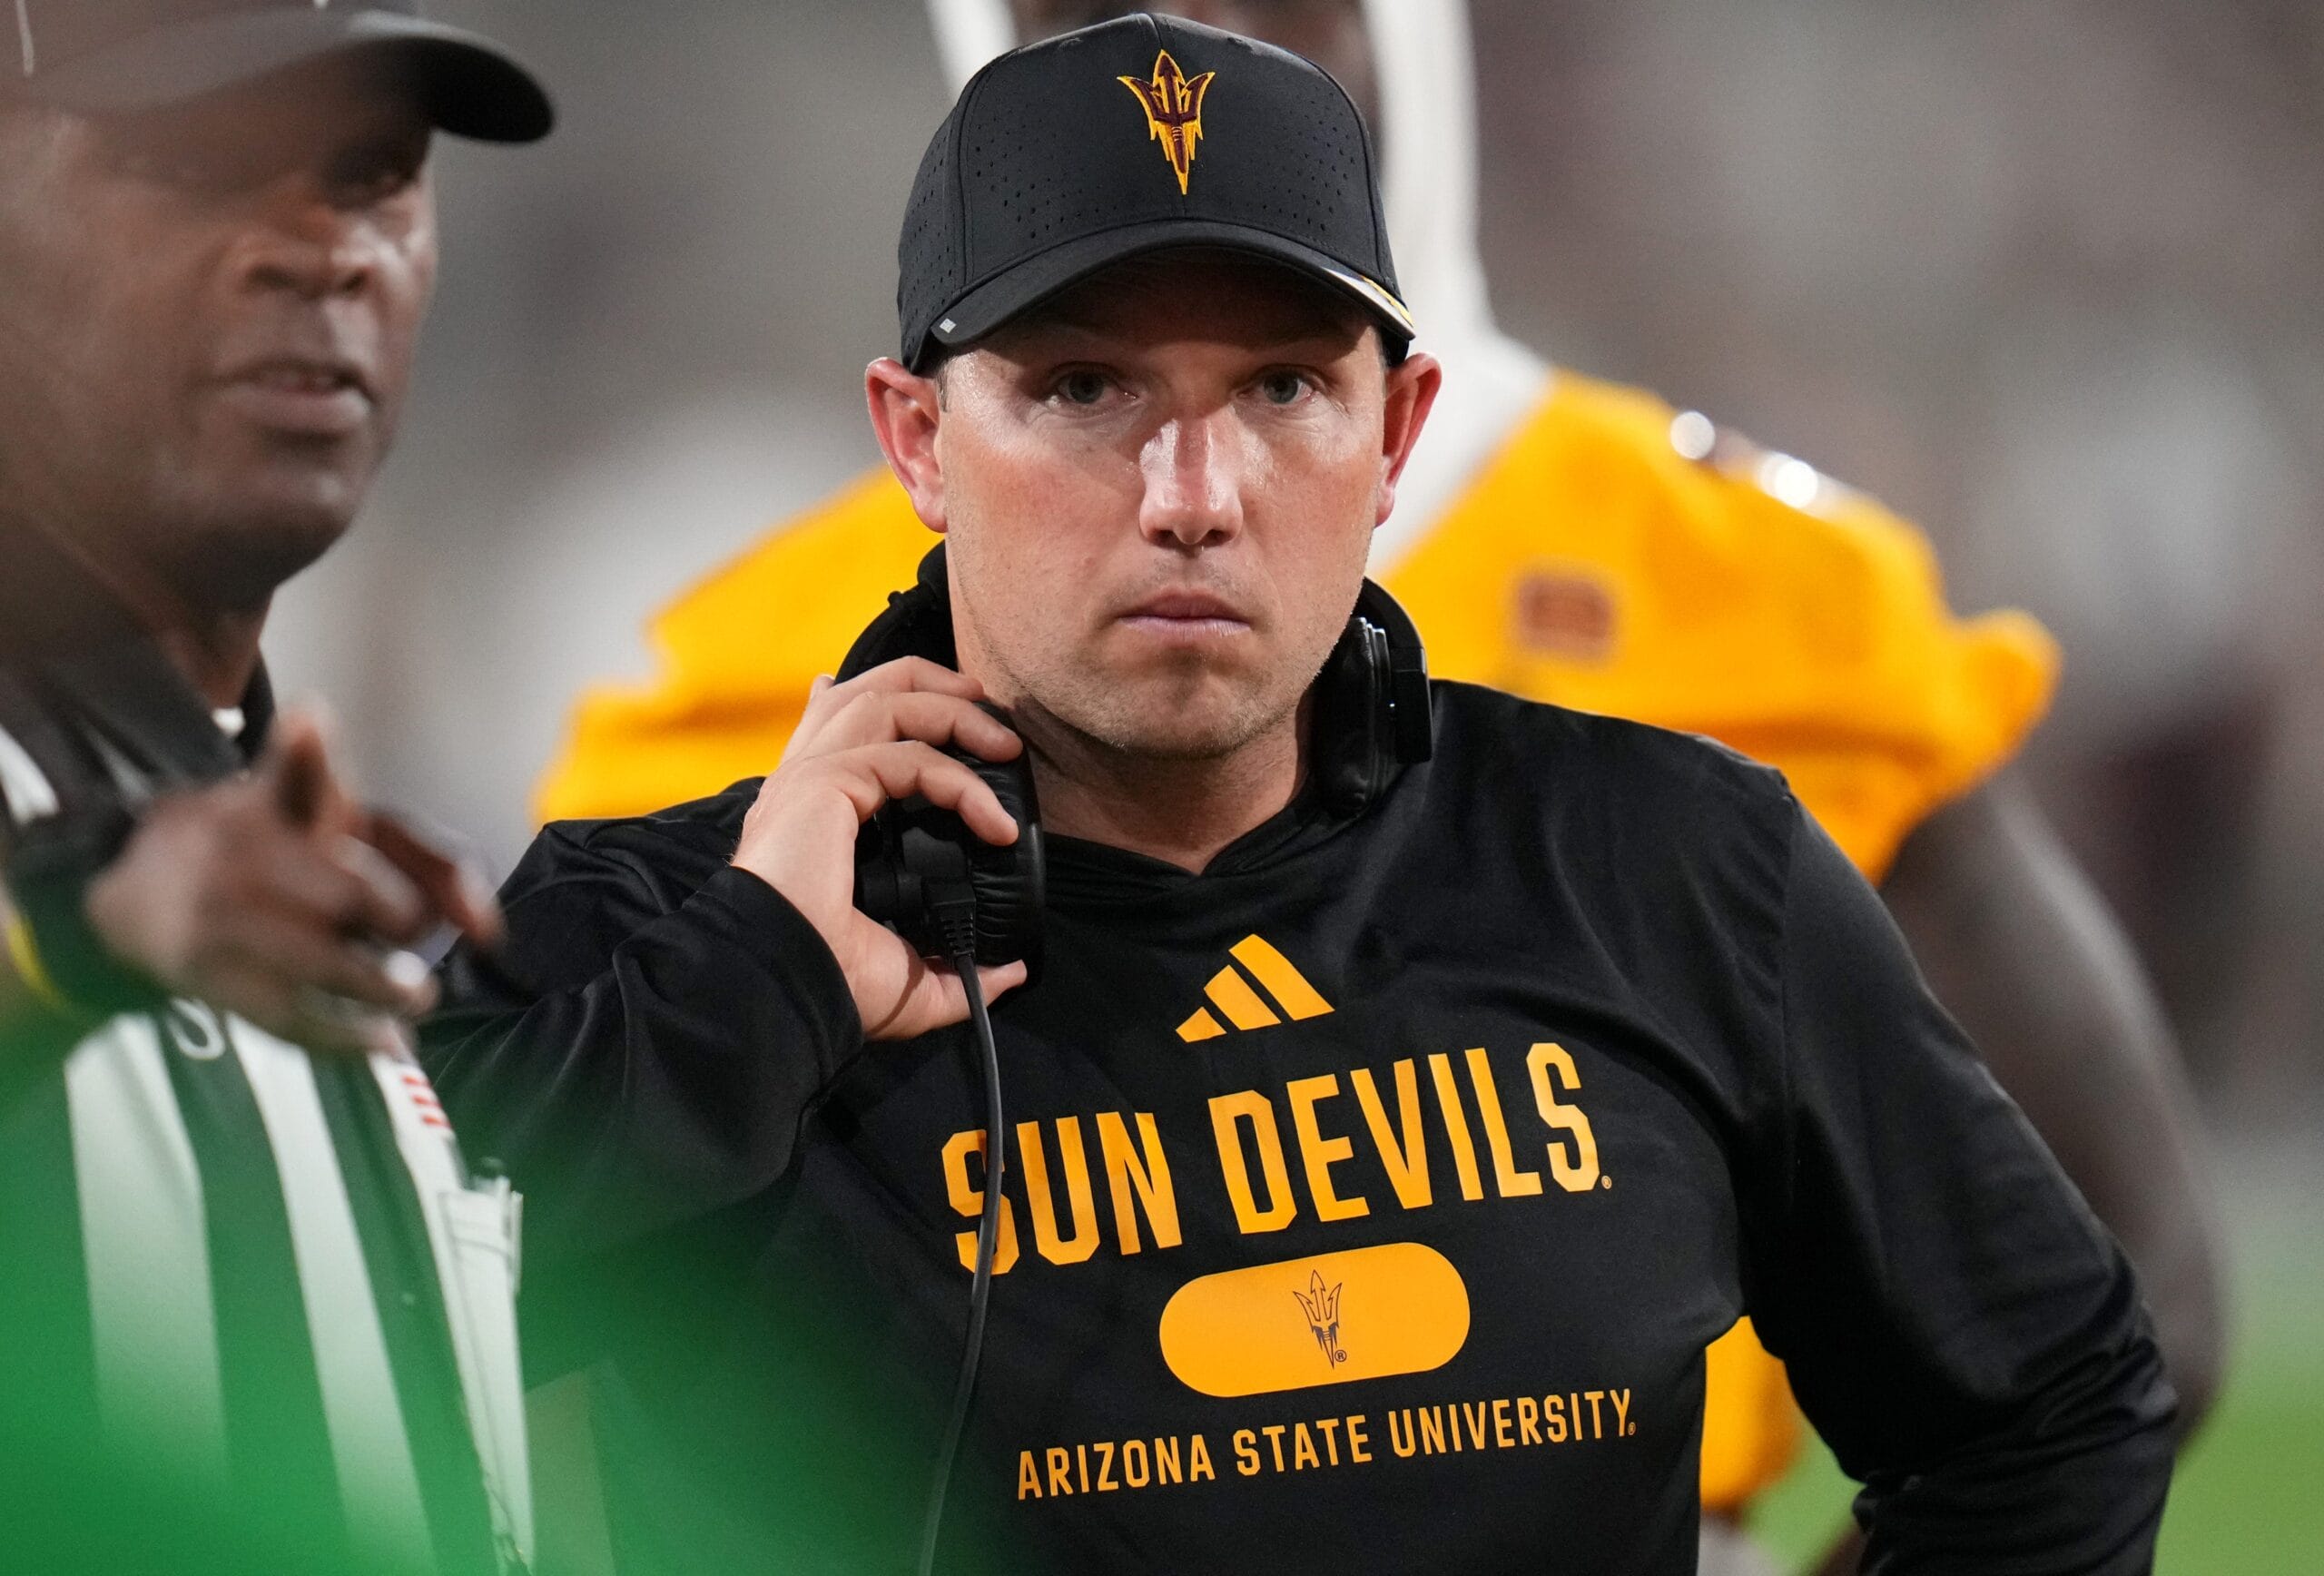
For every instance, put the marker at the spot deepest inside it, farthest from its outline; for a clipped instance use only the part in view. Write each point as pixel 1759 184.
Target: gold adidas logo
pixel 1233 992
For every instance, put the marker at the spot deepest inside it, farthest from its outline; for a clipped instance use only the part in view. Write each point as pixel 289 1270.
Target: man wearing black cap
pixel 1416 1079
pixel 247 1269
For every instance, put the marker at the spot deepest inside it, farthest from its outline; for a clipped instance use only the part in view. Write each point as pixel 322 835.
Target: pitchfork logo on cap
pixel 1172 107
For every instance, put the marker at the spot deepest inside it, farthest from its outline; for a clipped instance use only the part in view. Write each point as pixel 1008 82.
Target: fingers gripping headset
pixel 959 900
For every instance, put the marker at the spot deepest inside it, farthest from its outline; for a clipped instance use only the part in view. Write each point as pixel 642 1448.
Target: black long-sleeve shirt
pixel 1371 1195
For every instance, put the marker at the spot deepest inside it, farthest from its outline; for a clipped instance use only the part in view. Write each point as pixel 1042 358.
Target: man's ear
pixel 1412 394
pixel 906 409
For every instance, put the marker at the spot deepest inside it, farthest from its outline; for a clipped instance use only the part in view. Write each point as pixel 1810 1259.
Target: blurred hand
pixel 277 897
pixel 859 745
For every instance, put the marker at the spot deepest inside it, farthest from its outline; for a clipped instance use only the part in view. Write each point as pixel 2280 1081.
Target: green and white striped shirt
pixel 266 1276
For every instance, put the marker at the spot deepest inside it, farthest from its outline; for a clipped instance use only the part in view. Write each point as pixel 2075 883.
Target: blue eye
pixel 1082 388
pixel 1283 388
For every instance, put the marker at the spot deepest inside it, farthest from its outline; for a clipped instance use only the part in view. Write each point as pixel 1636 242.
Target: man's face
pixel 1331 32
pixel 1158 492
pixel 209 320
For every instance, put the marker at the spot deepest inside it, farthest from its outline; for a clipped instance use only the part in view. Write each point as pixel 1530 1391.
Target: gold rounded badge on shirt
pixel 1366 1314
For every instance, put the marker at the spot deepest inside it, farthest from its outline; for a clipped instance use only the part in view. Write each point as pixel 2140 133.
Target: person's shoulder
pixel 1793 549
pixel 709 821
pixel 1686 784
pixel 1633 543
pixel 1627 556
pixel 670 851
pixel 1472 718
pixel 1634 453
pixel 1671 850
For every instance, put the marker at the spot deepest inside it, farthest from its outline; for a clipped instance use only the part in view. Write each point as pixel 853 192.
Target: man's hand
pixel 859 745
pixel 279 898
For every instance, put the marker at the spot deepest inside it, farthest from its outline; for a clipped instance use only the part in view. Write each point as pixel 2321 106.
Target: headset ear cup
pixel 1350 741
pixel 1009 884
pixel 1411 724
pixel 909 853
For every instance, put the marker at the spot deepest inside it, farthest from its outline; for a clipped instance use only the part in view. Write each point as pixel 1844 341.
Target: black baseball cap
pixel 106 56
pixel 1134 136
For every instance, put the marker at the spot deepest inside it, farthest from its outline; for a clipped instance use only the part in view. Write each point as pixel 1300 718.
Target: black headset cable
pixel 956 917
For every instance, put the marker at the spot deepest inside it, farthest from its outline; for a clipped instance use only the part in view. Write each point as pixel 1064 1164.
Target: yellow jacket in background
pixel 1614 556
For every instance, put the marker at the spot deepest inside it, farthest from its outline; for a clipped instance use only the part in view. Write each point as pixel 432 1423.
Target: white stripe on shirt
pixel 378 1484
pixel 151 1321
pixel 25 792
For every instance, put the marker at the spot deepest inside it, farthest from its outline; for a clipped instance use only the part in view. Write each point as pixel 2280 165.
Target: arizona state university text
pixel 1321 1444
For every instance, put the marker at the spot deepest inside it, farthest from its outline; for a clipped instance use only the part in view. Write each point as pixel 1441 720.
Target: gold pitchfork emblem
pixel 1173 105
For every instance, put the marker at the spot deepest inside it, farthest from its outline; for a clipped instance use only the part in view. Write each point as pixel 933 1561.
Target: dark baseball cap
pixel 106 56
pixel 1144 133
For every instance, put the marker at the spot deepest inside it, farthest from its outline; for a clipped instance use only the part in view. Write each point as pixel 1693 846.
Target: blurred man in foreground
pixel 247 1269
pixel 1272 1293
pixel 1586 544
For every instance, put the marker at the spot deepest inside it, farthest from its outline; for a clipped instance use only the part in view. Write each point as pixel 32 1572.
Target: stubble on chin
pixel 1165 719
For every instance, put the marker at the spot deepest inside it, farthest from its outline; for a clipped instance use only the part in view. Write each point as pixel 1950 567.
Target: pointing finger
pixel 297 769
pixel 452 889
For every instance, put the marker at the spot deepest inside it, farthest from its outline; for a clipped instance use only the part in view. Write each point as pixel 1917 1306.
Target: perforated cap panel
pixel 928 255
pixel 1143 132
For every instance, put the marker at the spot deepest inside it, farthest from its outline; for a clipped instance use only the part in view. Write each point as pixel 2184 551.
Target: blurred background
pixel 2048 277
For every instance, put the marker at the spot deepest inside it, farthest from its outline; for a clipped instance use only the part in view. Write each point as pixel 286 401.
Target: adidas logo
pixel 1232 990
